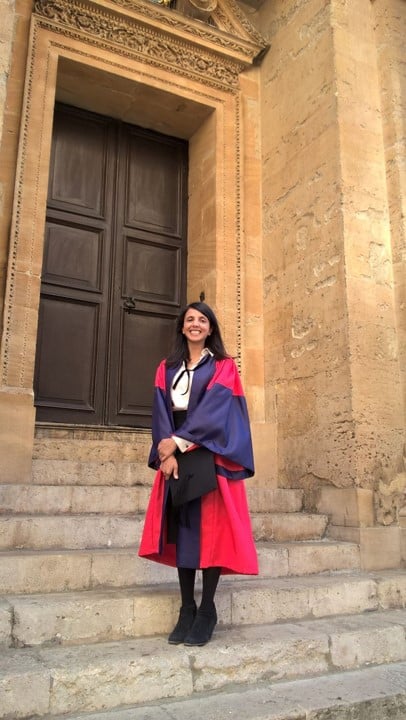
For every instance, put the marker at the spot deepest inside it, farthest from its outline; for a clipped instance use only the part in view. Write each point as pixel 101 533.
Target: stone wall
pixel 333 310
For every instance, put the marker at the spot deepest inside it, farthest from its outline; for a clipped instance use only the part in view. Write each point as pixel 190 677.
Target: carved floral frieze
pixel 181 45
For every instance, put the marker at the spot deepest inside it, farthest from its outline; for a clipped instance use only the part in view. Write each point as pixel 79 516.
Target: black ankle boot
pixel 186 618
pixel 202 628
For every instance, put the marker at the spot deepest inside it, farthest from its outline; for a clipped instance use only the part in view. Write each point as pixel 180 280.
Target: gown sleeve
pixel 162 421
pixel 220 420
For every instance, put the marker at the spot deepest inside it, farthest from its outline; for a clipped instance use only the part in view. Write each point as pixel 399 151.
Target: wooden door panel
pixel 72 346
pixel 79 162
pixel 144 341
pixel 152 271
pixel 67 346
pixel 155 183
pixel 73 256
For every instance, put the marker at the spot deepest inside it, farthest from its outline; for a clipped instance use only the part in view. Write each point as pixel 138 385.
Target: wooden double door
pixel 114 269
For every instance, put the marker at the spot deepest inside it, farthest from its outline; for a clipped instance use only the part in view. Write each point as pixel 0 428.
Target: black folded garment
pixel 197 476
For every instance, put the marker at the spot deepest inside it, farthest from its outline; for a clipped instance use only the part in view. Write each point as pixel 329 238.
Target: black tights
pixel 187 586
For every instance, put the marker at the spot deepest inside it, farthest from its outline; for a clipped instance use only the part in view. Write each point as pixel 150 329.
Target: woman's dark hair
pixel 214 341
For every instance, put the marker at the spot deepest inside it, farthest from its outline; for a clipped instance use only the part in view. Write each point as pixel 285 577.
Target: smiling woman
pixel 196 328
pixel 199 409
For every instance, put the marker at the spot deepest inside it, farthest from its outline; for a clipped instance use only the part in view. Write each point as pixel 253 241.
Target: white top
pixel 180 393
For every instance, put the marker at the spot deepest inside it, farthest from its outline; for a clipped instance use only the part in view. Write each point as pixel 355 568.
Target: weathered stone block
pixel 111 570
pixel 250 657
pixel 5 622
pixel 306 558
pixel 273 560
pixel 110 500
pixel 73 472
pixel 344 598
pixel 392 590
pixel 267 499
pixel 270 604
pixel 69 618
pixel 33 499
pixel 282 527
pixel 24 685
pixel 264 439
pixel 347 506
pixel 100 677
pixel 68 531
pixel 59 499
pixel 360 647
pixel 91 445
pixel 17 415
pixel 30 572
pixel 380 548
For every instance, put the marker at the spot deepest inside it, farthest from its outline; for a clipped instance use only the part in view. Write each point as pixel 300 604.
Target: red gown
pixel 217 419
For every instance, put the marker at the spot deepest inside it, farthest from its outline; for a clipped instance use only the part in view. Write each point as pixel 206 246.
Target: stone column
pixel 330 314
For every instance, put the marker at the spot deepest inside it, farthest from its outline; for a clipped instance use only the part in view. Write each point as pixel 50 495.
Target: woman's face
pixel 196 326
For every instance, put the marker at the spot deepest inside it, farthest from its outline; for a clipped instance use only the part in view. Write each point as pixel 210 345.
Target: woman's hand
pixel 170 467
pixel 166 448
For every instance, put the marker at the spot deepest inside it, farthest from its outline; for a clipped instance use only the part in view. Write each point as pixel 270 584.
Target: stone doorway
pixel 114 270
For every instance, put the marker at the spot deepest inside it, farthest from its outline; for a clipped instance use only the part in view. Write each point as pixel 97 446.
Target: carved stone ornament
pixel 162 36
pixel 199 9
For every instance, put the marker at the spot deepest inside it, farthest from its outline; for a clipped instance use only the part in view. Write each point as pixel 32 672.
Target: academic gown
pixel 217 419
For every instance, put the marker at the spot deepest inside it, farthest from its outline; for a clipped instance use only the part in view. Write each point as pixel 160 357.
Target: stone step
pixel 288 527
pixel 72 499
pixel 45 571
pixel 122 473
pixel 59 499
pixel 102 616
pixel 117 472
pixel 70 532
pixel 63 680
pixel 96 446
pixel 373 693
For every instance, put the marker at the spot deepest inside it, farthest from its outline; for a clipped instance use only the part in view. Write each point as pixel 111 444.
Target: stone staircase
pixel 83 620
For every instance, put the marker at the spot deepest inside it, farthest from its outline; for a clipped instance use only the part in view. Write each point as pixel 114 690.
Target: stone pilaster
pixel 15 17
pixel 377 405
pixel 16 403
pixel 390 33
pixel 332 358
pixel 306 329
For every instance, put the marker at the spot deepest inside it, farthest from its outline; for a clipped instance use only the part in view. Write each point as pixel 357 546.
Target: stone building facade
pixel 294 113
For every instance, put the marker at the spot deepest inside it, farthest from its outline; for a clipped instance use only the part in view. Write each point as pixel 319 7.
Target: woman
pixel 199 404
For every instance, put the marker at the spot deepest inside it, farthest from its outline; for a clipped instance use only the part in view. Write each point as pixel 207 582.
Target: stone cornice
pixel 144 28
